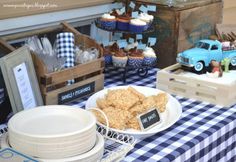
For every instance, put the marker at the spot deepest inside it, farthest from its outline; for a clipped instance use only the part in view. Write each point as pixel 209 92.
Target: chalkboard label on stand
pixel 76 93
pixel 149 119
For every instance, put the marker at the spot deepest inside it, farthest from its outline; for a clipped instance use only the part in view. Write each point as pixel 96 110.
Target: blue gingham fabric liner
pixel 65 47
pixel 205 132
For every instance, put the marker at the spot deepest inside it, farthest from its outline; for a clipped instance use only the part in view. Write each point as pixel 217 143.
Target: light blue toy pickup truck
pixel 205 51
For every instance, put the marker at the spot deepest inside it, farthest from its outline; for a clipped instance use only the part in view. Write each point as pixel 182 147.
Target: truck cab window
pixel 214 47
pixel 203 45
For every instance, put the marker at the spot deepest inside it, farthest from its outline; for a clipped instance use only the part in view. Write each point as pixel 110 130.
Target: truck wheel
pixel 233 61
pixel 199 67
pixel 232 65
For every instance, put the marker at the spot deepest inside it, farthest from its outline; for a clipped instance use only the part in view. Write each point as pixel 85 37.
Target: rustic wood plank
pixel 32 33
pixel 229 15
pixel 229 4
pixel 181 5
pixel 74 72
pixel 6 47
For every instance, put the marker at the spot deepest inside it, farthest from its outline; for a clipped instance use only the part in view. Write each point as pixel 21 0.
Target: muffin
pixel 137 26
pixel 120 58
pixel 150 57
pixel 107 22
pixel 135 58
pixel 146 18
pixel 123 22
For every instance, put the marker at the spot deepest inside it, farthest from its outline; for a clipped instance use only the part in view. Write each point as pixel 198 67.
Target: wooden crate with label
pixel 88 77
pixel 178 27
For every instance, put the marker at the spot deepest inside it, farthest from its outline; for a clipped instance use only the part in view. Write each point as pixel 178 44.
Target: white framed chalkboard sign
pixel 20 79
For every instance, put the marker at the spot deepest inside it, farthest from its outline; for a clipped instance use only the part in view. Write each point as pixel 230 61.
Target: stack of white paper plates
pixel 53 132
pixel 95 154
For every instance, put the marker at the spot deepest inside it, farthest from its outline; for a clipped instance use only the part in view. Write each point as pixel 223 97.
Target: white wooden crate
pixel 169 80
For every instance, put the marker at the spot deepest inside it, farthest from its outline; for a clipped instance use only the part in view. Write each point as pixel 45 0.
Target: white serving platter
pixel 169 117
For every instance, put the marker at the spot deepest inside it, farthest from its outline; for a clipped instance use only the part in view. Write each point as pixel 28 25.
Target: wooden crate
pixel 226 32
pixel 168 80
pixel 89 77
pixel 178 28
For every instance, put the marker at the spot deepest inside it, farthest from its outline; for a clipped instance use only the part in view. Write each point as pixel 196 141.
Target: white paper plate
pixel 170 116
pixel 94 154
pixel 52 131
pixel 52 150
pixel 51 121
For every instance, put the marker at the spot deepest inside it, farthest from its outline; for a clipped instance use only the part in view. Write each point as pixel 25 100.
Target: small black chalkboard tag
pixel 149 119
pixel 78 92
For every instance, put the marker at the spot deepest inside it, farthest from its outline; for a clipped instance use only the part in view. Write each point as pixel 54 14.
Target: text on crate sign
pixel 76 93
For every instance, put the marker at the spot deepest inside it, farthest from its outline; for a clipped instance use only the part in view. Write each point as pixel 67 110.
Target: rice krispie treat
pixel 133 123
pixel 161 101
pixel 121 99
pixel 149 102
pixel 102 103
pixel 117 118
pixel 135 92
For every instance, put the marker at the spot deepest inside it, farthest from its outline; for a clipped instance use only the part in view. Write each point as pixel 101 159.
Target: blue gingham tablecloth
pixel 205 132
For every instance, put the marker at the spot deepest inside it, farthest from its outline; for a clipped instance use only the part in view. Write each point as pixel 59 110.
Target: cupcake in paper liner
pixel 116 12
pixel 150 57
pixel 146 18
pixel 107 22
pixel 120 58
pixel 123 22
pixel 137 26
pixel 135 58
pixel 130 46
pixel 107 55
pixel 114 48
